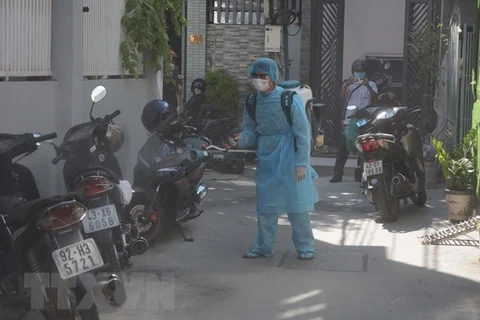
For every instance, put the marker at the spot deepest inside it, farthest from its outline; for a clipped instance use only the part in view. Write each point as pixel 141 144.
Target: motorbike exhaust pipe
pixel 400 186
pixel 139 246
pixel 396 180
pixel 114 290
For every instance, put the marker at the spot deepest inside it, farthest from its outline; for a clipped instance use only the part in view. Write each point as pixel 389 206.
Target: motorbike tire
pixel 236 167
pixel 139 204
pixel 86 314
pixel 388 206
pixel 111 256
pixel 420 198
pixel 75 295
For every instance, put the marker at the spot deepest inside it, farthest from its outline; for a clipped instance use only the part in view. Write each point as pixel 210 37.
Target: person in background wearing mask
pixel 284 178
pixel 356 91
pixel 172 92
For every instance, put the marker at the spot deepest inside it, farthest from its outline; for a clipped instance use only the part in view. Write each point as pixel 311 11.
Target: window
pixel 235 12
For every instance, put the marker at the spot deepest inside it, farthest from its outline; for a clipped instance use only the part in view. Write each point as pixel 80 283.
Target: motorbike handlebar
pixel 46 137
pixel 111 116
pixel 213 152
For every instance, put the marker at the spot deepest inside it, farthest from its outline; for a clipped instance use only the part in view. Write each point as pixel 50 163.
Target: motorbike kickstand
pixel 181 228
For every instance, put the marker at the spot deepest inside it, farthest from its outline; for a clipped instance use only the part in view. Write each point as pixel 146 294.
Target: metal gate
pixel 467 54
pixel 326 63
pixel 418 14
pixel 449 132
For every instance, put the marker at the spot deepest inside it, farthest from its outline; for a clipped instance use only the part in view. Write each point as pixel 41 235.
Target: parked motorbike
pixel 209 123
pixel 92 170
pixel 219 132
pixel 43 237
pixel 393 167
pixel 167 180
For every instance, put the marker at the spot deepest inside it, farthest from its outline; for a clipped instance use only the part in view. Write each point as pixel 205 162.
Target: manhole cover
pixel 345 261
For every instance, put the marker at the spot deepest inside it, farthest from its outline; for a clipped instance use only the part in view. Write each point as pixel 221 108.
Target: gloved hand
pixel 300 173
pixel 234 140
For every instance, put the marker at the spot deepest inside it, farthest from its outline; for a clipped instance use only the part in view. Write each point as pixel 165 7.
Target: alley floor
pixel 363 269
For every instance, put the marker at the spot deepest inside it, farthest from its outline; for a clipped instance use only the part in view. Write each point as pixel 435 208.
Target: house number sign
pixel 196 38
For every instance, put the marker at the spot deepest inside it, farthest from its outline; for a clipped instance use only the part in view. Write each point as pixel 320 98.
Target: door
pixel 326 63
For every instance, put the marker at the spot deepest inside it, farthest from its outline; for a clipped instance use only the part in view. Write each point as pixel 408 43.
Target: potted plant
pixel 458 168
pixel 432 167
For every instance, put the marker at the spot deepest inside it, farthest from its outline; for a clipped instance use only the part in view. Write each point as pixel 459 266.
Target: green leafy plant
pixel 459 165
pixel 145 23
pixel 222 92
pixel 424 47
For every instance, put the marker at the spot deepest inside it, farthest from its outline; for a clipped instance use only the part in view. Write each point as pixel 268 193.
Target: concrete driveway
pixel 362 270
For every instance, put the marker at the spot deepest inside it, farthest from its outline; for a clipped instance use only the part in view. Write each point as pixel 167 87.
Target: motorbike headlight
pixel 167 173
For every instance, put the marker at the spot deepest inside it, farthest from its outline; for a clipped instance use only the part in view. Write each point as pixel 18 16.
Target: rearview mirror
pixel 98 94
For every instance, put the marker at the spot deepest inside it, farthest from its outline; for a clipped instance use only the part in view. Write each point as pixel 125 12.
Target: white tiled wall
pixel 195 53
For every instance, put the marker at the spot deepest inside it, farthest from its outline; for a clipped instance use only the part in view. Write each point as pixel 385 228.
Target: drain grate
pixel 451 231
pixel 332 260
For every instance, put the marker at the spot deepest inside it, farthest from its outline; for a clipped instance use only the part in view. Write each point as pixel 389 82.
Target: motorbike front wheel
pixel 420 198
pixel 150 230
pixel 388 205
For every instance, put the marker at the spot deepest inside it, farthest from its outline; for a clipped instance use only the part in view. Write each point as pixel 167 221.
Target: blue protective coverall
pixel 278 191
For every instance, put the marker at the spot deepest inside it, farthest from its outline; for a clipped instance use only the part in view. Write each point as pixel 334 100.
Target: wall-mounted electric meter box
pixel 273 38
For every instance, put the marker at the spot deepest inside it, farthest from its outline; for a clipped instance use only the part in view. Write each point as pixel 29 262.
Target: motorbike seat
pixel 92 171
pixel 24 212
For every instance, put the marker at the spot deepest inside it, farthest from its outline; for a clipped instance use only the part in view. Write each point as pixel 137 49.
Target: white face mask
pixel 261 84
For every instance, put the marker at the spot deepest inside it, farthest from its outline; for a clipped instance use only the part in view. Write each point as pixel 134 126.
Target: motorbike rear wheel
pixel 111 256
pixel 236 166
pixel 55 311
pixel 150 230
pixel 388 205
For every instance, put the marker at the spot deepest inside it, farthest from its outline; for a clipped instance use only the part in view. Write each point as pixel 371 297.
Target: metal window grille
pixel 235 12
pixel 245 11
pixel 25 38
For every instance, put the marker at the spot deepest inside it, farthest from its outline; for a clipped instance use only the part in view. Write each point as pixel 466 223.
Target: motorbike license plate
pixel 218 156
pixel 373 168
pixel 77 258
pixel 100 219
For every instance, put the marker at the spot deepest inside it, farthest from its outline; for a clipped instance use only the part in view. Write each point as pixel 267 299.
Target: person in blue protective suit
pixel 284 178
